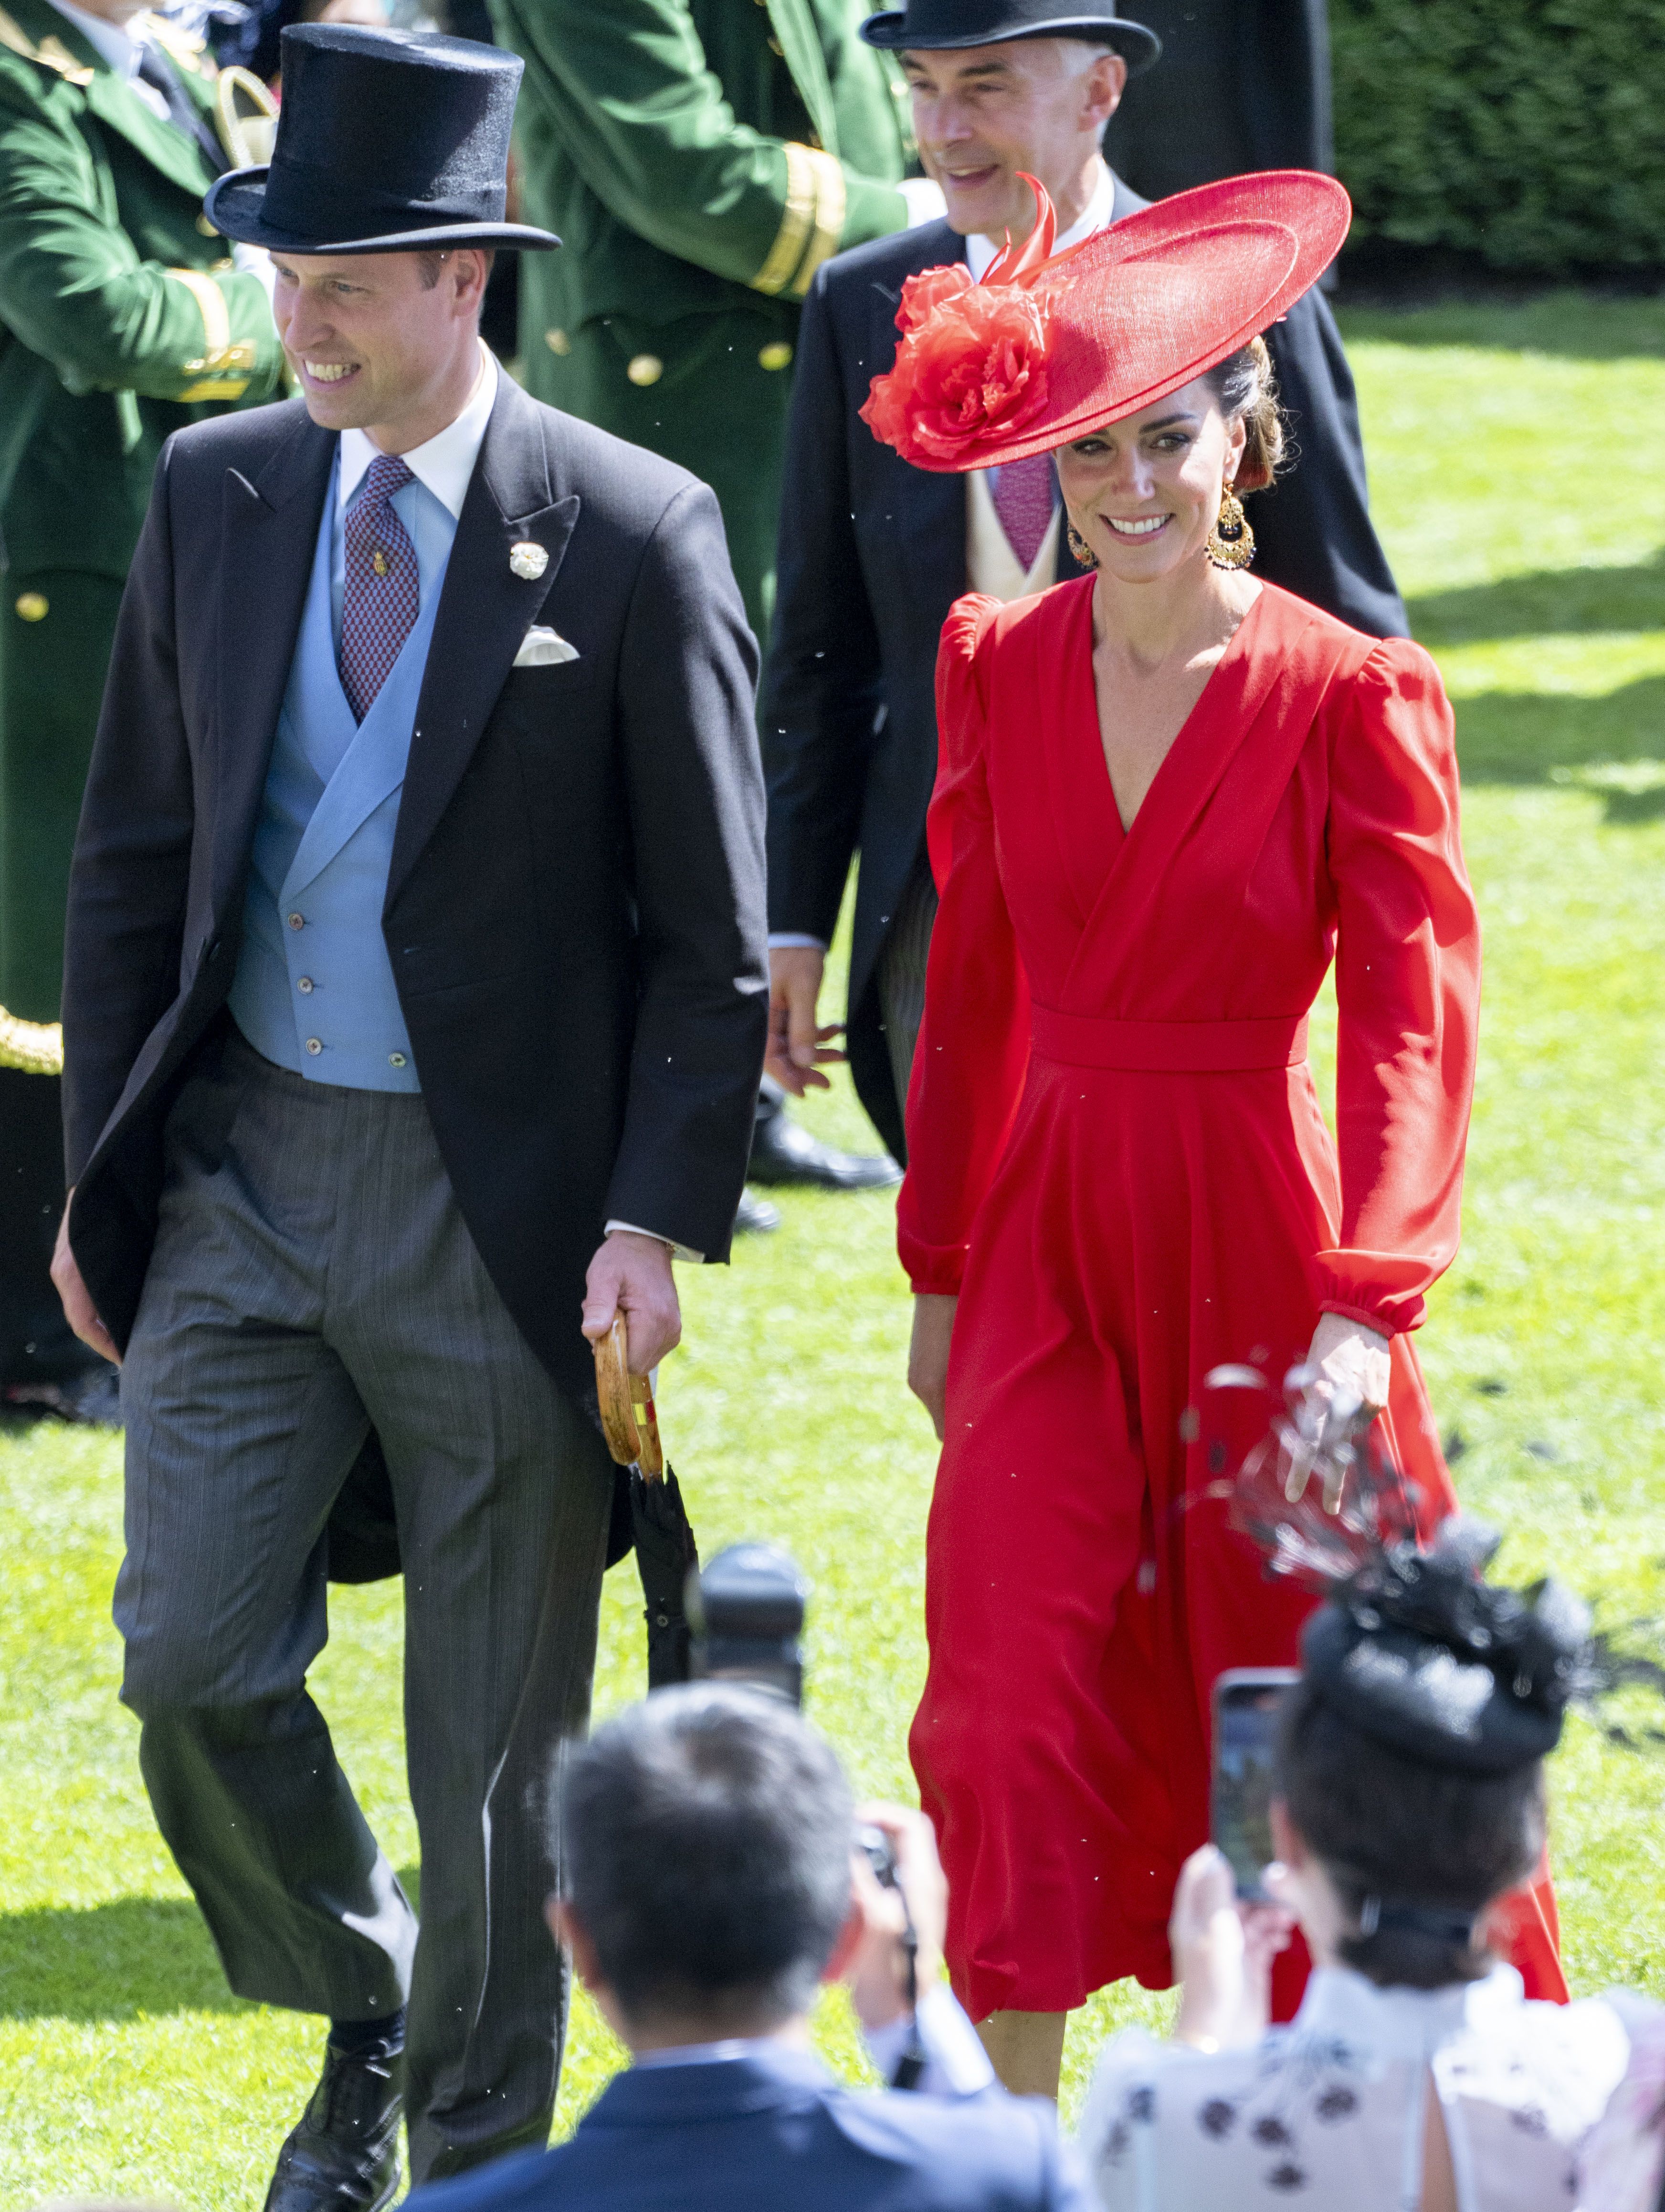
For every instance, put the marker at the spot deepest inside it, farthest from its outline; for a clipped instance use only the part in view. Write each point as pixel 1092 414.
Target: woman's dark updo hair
pixel 1387 1825
pixel 1247 392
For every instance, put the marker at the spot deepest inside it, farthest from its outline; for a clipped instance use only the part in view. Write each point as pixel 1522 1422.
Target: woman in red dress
pixel 1167 796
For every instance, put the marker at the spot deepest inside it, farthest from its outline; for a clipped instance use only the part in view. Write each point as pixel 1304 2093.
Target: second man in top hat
pixel 874 552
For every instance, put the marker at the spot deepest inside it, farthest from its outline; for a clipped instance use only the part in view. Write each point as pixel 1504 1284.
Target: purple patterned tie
pixel 1022 494
pixel 381 599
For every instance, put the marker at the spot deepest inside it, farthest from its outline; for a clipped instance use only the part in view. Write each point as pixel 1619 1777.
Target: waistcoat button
pixel 315 1045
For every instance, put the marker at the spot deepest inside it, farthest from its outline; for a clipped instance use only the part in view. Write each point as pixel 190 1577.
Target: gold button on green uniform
pixel 31 606
pixel 558 342
pixel 778 355
pixel 645 368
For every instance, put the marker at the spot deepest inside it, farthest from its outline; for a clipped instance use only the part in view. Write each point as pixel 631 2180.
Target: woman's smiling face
pixel 1145 492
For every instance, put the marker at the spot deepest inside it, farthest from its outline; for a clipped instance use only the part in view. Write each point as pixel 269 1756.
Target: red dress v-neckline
pixel 1186 727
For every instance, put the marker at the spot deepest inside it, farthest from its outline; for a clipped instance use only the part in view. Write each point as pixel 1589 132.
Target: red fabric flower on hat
pixel 972 364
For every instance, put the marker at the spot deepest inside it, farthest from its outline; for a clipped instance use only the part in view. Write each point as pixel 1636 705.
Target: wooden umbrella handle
pixel 629 1421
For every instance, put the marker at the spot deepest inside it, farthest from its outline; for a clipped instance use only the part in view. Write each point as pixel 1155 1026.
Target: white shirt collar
pixel 714 2054
pixel 980 250
pixel 444 463
pixel 114 40
pixel 1405 2023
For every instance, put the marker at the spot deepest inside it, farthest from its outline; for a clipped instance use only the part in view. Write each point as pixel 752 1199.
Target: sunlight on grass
pixel 1522 496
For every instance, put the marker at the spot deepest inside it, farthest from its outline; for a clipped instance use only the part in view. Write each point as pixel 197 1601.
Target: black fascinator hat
pixel 1419 1650
pixel 1414 1646
pixel 387 142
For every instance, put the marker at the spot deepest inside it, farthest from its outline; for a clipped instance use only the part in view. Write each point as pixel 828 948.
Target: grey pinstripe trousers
pixel 313 1274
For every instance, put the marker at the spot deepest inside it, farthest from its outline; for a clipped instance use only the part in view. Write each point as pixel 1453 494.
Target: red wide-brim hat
pixel 1045 350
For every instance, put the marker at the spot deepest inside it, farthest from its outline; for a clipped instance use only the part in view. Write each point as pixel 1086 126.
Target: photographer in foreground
pixel 712 1882
pixel 1411 1800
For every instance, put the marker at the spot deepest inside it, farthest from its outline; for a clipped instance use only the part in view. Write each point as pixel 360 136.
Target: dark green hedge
pixel 1529 134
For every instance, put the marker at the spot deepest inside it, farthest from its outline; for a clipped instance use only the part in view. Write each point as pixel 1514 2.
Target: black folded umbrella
pixel 665 1555
pixel 664 1545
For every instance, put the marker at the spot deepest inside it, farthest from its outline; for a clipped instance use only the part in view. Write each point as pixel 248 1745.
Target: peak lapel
pixel 485 611
pixel 268 534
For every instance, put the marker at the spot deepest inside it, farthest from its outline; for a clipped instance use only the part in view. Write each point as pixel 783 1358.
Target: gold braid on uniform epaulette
pixel 51 53
pixel 37 1048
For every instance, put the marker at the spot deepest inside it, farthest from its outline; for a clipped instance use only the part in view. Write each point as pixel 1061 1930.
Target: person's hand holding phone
pixel 1223 1953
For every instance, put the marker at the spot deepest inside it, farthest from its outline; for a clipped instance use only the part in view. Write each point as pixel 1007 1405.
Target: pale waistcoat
pixel 313 989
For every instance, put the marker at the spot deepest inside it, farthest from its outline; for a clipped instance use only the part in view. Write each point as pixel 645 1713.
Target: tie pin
pixel 379 561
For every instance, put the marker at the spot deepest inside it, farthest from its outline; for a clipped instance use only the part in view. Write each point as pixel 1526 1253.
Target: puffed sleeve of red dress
pixel 973 1048
pixel 1408 981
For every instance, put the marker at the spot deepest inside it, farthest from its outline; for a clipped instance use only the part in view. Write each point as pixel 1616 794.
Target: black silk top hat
pixel 387 141
pixel 933 24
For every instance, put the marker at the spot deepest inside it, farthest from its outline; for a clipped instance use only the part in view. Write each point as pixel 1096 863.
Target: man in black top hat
pixel 874 552
pixel 414 1010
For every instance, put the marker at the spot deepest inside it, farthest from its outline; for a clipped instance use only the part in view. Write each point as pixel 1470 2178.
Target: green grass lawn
pixel 1519 476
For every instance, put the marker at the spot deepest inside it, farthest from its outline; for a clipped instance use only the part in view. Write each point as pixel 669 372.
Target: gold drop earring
pixel 1231 542
pixel 1084 556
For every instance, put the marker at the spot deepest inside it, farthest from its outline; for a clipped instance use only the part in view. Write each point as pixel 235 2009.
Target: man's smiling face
pixel 371 336
pixel 982 113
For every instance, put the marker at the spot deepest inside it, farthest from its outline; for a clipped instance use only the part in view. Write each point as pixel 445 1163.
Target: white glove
pixel 1350 1367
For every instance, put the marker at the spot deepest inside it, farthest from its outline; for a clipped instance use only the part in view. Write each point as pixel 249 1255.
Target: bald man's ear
pixel 1106 82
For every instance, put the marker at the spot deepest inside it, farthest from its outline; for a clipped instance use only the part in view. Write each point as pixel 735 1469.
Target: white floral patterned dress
pixel 1329 2111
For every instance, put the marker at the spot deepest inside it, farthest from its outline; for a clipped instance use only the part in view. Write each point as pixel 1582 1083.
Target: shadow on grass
pixel 1613 747
pixel 1577 326
pixel 134 1955
pixel 1556 601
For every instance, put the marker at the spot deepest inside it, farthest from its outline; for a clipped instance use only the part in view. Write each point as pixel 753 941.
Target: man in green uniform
pixel 121 319
pixel 700 159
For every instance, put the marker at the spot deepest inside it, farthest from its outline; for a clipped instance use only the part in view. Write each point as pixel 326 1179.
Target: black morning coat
pixel 873 555
pixel 575 909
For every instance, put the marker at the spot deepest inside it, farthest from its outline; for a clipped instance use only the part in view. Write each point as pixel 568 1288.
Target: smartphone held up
pixel 1246 1701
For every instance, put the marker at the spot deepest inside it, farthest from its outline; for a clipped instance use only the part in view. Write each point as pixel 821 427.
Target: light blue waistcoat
pixel 313 989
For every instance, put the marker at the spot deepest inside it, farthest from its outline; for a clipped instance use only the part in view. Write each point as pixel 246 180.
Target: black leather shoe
pixel 755 1215
pixel 783 1150
pixel 345 2154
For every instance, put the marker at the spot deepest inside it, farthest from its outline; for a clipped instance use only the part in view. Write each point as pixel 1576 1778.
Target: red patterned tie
pixel 1023 499
pixel 382 599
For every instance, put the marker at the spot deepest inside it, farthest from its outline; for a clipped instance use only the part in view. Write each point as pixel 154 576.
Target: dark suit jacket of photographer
pixel 872 555
pixel 574 908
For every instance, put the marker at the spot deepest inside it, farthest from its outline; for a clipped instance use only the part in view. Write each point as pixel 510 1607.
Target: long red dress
pixel 1117 1160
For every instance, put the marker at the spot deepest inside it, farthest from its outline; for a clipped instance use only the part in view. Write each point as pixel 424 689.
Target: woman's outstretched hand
pixel 927 1355
pixel 1350 1366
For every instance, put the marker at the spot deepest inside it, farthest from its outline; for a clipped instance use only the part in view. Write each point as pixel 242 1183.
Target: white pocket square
pixel 541 648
